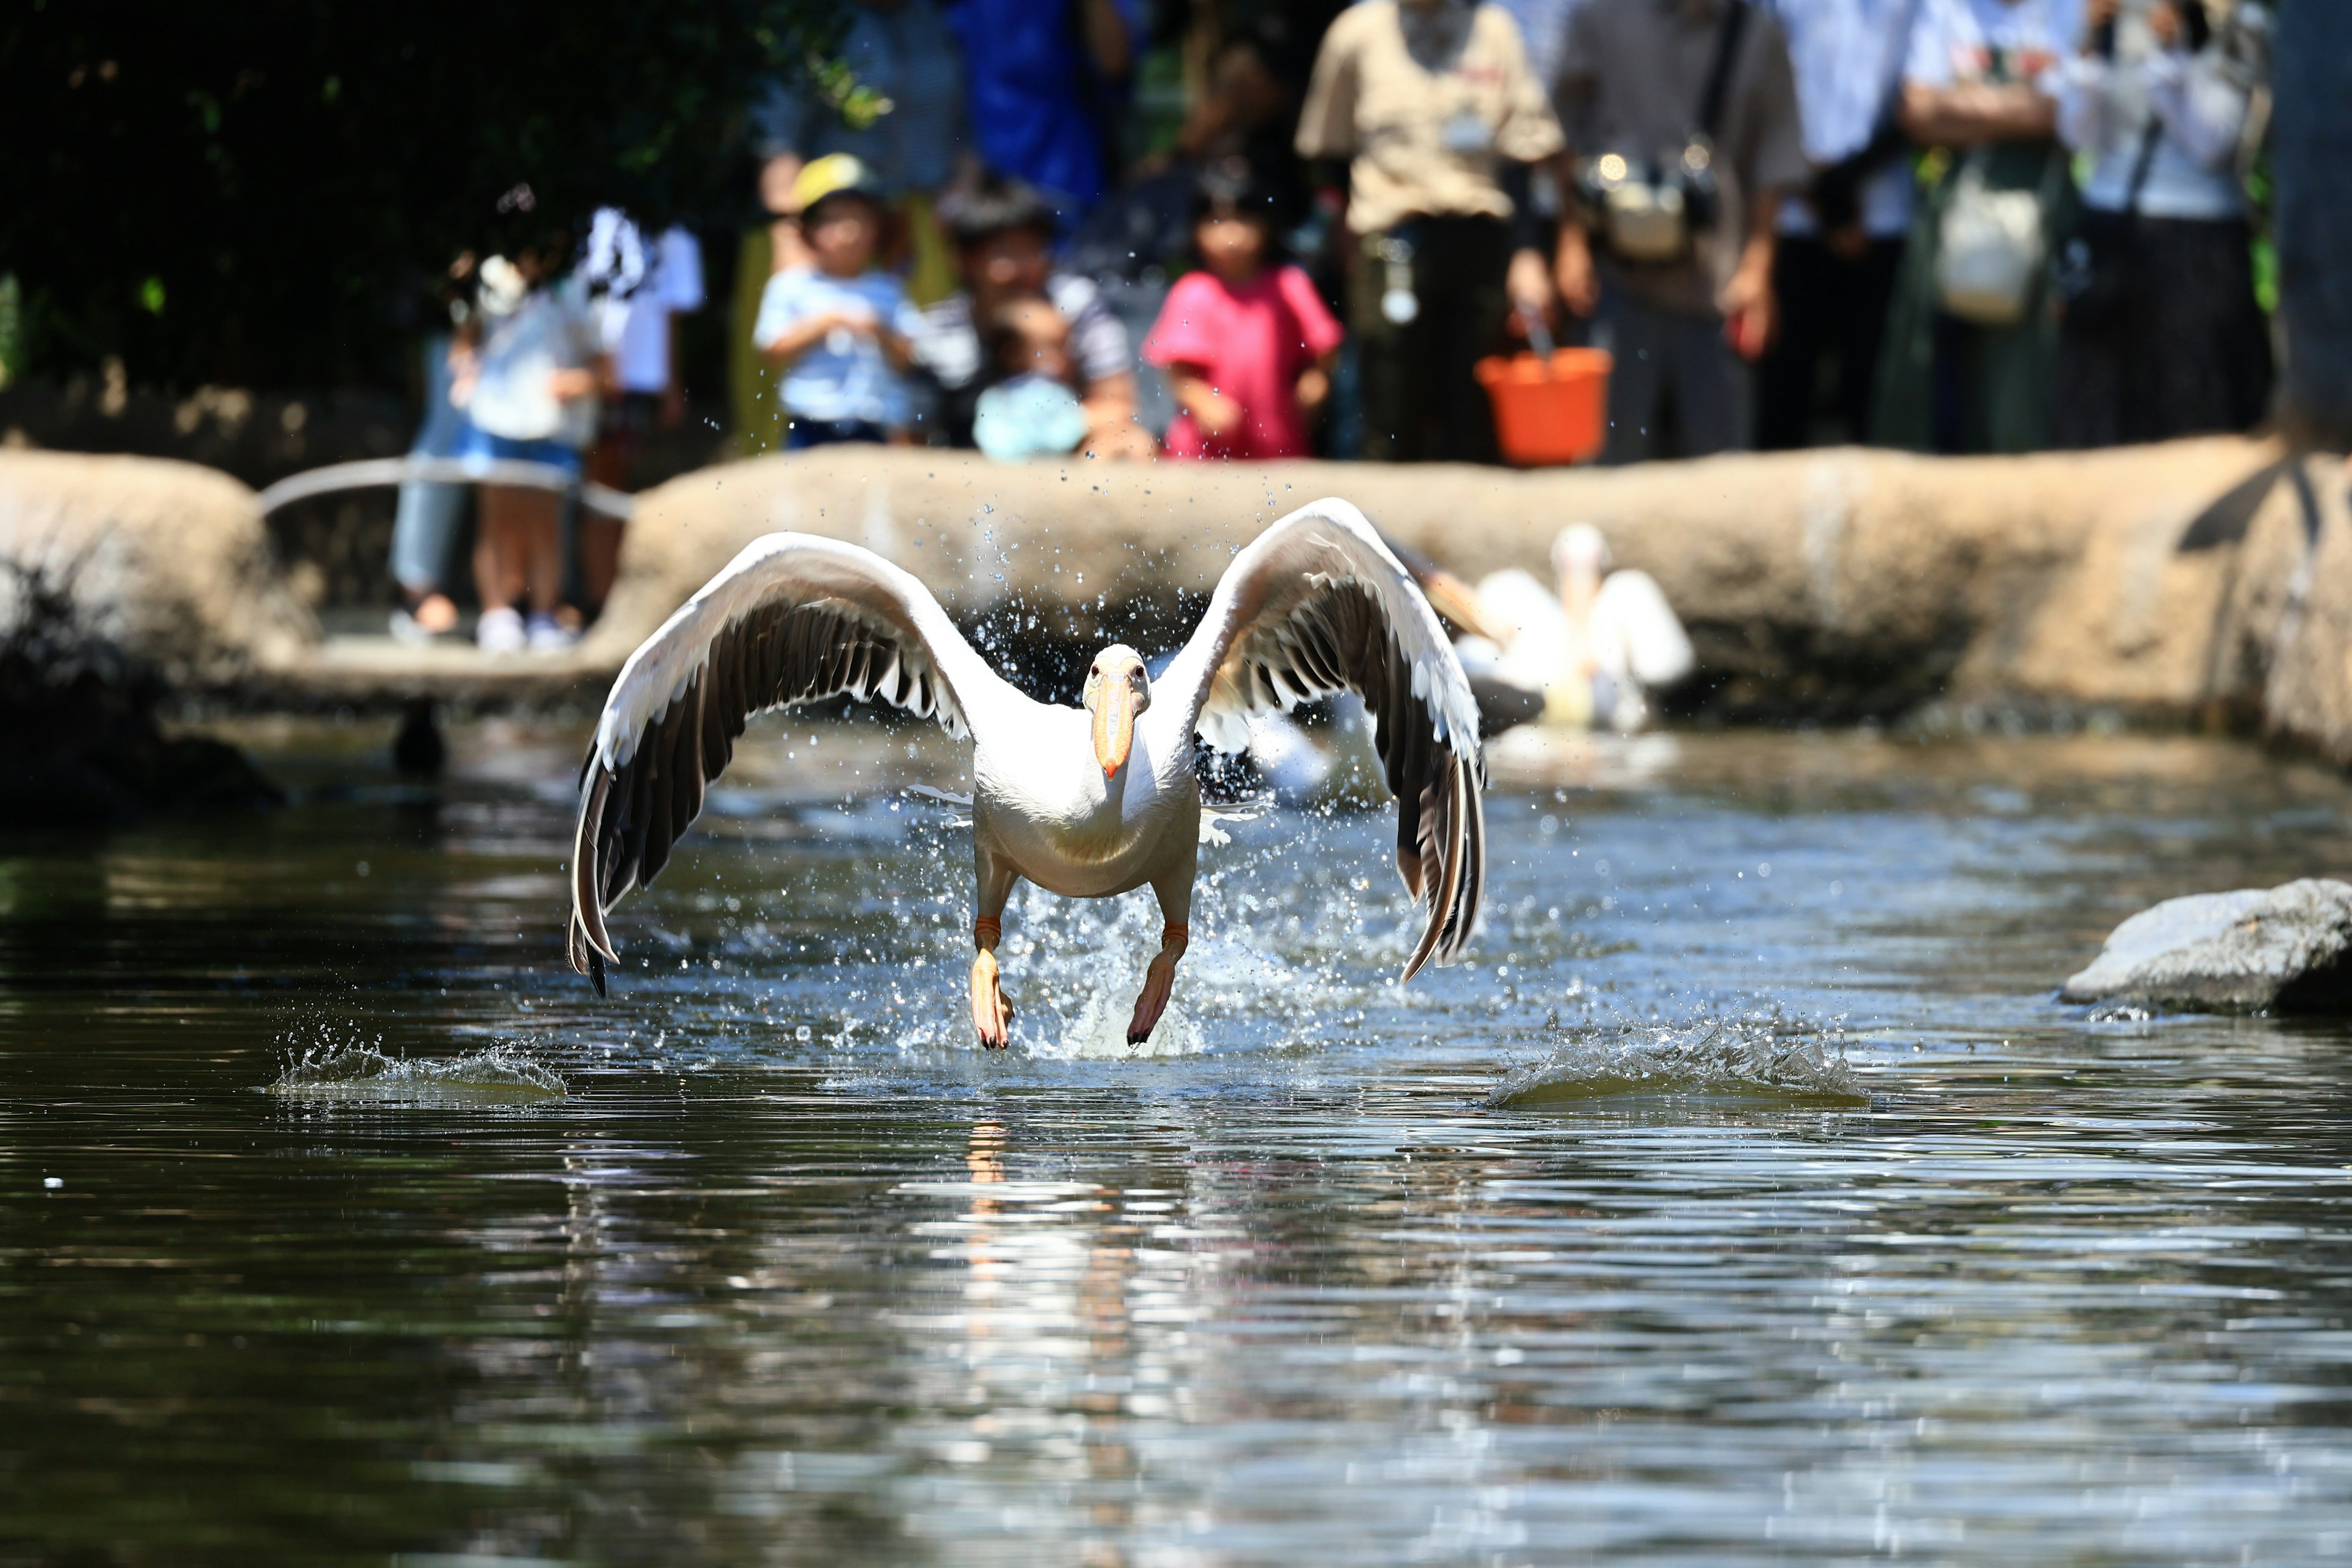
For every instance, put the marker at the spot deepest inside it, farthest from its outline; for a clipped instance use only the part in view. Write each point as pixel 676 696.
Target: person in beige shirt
pixel 1435 111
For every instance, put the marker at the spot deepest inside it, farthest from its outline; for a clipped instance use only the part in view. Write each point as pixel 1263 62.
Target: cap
pixel 836 174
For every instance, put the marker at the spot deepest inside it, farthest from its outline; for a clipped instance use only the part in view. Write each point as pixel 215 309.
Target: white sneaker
pixel 500 631
pixel 406 631
pixel 549 635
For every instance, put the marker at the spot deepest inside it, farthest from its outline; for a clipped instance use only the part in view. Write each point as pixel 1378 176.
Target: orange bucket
pixel 1554 411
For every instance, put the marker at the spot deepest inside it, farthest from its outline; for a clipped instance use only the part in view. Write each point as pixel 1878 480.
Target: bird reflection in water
pixel 1046 1341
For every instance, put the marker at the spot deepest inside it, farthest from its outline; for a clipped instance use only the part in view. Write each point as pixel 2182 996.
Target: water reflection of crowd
pixel 1255 229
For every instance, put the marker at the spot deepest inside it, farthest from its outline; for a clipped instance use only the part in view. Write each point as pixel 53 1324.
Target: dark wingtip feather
pixel 596 972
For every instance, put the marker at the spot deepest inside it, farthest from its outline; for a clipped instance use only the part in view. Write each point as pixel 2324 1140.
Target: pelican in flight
pixel 1085 803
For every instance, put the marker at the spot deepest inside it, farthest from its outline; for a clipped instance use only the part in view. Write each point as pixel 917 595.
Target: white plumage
pixel 1083 802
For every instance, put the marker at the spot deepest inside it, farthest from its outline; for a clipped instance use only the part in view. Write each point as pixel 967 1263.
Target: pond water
pixel 1750 1199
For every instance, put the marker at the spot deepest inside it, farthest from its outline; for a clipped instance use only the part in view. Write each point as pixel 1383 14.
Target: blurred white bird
pixel 1593 648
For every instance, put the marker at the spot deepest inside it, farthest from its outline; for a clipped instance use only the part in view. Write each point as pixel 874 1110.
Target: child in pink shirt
pixel 1248 346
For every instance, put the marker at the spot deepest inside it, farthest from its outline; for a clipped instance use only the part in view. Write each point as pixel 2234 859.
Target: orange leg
pixel 991 1014
pixel 1159 982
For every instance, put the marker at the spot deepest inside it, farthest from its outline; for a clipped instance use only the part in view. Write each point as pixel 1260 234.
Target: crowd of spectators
pixel 1947 224
pixel 1203 229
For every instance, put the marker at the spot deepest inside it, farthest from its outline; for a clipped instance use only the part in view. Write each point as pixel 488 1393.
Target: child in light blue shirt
pixel 839 330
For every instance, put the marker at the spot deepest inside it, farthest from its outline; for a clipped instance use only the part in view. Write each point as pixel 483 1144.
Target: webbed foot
pixel 1159 984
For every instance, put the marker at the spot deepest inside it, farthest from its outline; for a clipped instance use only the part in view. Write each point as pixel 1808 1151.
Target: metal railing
pixel 371 472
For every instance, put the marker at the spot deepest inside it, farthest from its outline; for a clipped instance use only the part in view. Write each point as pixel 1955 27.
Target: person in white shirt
pixel 528 367
pixel 2161 334
pixel 1971 338
pixel 838 330
pixel 641 287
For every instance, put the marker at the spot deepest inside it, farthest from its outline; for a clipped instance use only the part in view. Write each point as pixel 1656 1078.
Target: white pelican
pixel 1084 803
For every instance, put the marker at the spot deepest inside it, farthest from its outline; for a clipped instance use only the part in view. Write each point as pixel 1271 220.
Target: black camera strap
pixel 2142 161
pixel 1719 72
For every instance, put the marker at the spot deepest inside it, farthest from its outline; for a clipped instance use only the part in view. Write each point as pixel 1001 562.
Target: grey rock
pixel 2285 950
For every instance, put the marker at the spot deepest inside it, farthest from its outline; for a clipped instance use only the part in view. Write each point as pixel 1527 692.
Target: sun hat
pixel 834 174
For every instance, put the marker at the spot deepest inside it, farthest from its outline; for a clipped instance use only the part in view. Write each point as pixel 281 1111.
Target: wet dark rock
pixel 84 746
pixel 2277 950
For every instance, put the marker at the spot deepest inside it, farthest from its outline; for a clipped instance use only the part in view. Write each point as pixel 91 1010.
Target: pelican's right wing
pixel 1319 604
pixel 792 619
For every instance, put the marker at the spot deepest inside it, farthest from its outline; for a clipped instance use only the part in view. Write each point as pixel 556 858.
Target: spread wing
pixel 792 619
pixel 1657 651
pixel 1318 604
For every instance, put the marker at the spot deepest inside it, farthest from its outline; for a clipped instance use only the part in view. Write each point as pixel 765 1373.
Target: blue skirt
pixel 479 442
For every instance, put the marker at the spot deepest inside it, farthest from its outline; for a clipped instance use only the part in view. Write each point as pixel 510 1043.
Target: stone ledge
pixel 1819 587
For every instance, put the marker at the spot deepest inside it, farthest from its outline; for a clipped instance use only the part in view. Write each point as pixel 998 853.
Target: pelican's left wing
pixel 1318 603
pixel 795 618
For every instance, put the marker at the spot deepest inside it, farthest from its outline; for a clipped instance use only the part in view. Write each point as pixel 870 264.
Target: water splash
pixel 351 1070
pixel 1716 1059
pixel 1098 1032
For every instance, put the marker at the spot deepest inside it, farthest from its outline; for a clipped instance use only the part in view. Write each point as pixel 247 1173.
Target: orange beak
pixel 1114 726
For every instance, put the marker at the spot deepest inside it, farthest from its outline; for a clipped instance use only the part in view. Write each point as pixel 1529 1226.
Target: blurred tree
pixel 263 193
pixel 2311 154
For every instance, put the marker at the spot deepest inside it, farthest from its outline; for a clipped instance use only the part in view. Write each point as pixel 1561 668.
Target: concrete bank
pixel 1824 585
pixel 169 559
pixel 1828 585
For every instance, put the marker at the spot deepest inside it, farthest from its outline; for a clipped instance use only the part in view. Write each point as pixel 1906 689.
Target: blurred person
pixel 1683 117
pixel 1248 105
pixel 905 52
pixel 1245 106
pixel 1841 243
pixel 1593 645
pixel 2161 334
pixel 838 330
pixel 1971 338
pixel 1433 107
pixel 1032 409
pixel 1543 24
pixel 1247 343
pixel 528 371
pixel 640 288
pixel 1046 81
pixel 430 513
pixel 1003 232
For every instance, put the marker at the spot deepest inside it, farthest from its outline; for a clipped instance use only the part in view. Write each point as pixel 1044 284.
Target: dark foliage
pixel 261 194
pixel 84 749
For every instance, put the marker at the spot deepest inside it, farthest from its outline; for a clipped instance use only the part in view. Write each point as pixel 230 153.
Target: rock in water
pixel 2281 950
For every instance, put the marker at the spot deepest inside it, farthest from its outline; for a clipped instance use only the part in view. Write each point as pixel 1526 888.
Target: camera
pixel 1650 213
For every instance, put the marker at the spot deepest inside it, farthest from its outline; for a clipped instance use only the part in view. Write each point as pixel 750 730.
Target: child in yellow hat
pixel 838 330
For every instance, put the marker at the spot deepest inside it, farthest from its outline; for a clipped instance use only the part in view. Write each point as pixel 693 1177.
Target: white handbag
pixel 1990 251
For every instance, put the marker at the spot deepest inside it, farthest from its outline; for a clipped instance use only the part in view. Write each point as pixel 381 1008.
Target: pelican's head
pixel 1117 690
